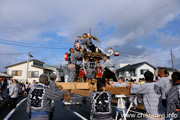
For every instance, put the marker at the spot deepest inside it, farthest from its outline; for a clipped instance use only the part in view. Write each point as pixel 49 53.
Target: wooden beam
pixel 81 92
pixel 73 85
pixel 116 90
pixel 86 86
pixel 119 90
pixel 86 94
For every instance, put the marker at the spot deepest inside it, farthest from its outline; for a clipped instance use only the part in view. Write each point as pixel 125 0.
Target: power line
pixel 123 11
pixel 12 53
pixel 133 54
pixel 29 43
pixel 145 57
pixel 31 46
pixel 144 16
pixel 138 54
pixel 50 57
pixel 117 16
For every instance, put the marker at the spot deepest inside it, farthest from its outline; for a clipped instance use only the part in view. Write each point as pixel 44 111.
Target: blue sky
pixel 138 30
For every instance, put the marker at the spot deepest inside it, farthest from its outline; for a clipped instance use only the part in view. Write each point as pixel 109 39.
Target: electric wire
pixel 14 44
pixel 30 43
pixel 145 16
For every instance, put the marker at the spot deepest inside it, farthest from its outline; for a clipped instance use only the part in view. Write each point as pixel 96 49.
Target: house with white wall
pixel 35 69
pixel 134 71
pixel 54 69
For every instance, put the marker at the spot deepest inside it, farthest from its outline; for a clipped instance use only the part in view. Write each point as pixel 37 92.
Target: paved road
pixel 62 112
pixel 70 112
pixel 6 109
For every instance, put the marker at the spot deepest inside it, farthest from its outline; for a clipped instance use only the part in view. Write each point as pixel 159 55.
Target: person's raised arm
pixel 138 89
pixel 53 94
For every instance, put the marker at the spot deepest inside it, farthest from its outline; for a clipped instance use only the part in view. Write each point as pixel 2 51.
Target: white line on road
pixel 83 118
pixel 20 102
pixel 9 115
pixel 12 111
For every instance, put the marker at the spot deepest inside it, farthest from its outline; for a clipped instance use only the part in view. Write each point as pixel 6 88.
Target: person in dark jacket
pixel 101 103
pixel 173 98
pixel 52 86
pixel 39 99
pixel 4 84
pixel 109 69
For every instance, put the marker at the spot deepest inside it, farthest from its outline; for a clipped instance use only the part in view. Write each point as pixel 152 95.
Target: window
pixel 33 74
pixel 143 71
pixel 133 73
pixel 17 73
pixel 38 64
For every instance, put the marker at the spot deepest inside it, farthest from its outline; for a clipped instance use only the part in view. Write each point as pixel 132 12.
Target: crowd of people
pixel 11 89
pixel 160 97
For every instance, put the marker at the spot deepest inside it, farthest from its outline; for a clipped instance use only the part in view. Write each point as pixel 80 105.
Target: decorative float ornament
pixel 66 56
pixel 110 51
pixel 77 45
pixel 98 72
pixel 116 54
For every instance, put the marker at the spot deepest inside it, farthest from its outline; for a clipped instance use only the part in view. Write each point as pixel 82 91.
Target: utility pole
pixel 90 31
pixel 27 66
pixel 172 60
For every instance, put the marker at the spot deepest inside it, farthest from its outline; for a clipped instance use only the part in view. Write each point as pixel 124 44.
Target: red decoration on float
pixel 66 56
pixel 116 54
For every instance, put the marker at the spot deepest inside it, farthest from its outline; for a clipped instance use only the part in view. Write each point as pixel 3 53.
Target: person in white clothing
pixel 14 94
pixel 120 83
pixel 33 84
pixel 66 72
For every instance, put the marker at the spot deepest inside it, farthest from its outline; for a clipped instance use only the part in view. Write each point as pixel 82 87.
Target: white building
pixel 134 71
pixel 19 70
pixel 55 71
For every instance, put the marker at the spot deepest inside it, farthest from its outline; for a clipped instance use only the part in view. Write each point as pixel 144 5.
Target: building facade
pixel 35 69
pixel 135 71
pixel 54 69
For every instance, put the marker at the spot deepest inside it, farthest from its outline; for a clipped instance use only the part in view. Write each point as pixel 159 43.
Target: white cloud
pixel 131 20
pixel 62 33
pixel 34 17
pixel 168 41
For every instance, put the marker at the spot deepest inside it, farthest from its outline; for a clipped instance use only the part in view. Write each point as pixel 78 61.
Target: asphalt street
pixel 6 109
pixel 62 112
